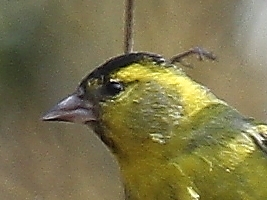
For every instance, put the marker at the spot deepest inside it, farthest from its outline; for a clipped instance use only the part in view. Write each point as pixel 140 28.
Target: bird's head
pixel 137 97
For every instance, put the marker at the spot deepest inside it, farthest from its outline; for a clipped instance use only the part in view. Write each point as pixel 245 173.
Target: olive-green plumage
pixel 173 139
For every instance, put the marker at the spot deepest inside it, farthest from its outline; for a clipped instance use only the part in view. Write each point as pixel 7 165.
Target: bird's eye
pixel 114 87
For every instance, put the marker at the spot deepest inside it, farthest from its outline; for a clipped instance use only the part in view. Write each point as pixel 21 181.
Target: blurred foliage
pixel 47 46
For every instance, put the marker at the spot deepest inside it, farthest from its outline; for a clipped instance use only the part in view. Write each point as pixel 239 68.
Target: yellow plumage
pixel 173 139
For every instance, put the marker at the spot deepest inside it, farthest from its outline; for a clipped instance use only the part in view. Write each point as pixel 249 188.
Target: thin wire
pixel 128 28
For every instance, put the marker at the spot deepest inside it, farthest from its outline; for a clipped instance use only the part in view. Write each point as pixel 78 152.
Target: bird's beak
pixel 71 109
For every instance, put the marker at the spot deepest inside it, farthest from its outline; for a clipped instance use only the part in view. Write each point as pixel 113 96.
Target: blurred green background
pixel 46 47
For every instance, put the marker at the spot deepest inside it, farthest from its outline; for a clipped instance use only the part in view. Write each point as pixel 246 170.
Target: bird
pixel 172 137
